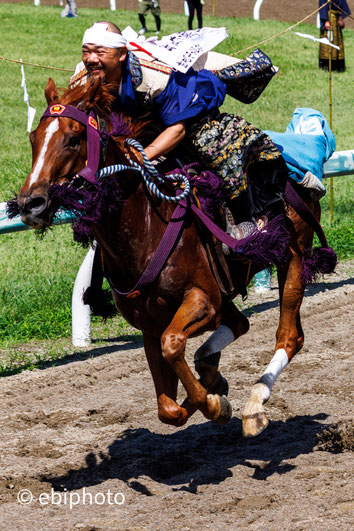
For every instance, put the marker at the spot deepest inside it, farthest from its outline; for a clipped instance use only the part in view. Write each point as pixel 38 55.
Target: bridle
pixel 96 136
pixel 93 136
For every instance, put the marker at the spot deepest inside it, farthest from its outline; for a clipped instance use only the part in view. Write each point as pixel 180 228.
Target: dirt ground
pixel 86 432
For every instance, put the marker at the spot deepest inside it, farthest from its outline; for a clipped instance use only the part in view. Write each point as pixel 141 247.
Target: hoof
pixel 220 387
pixel 225 411
pixel 253 425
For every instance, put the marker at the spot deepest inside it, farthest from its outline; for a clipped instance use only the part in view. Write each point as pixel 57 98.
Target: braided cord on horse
pixel 149 170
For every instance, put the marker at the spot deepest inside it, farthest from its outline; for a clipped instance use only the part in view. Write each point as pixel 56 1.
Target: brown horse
pixel 185 299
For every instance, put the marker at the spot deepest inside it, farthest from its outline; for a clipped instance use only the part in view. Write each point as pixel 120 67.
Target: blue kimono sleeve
pixel 188 95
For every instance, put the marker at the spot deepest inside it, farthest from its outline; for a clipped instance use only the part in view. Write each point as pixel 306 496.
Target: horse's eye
pixel 73 142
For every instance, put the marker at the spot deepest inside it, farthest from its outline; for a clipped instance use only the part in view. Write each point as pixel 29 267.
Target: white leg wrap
pixel 218 340
pixel 270 375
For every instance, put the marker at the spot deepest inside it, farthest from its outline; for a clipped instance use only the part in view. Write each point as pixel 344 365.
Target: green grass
pixel 36 277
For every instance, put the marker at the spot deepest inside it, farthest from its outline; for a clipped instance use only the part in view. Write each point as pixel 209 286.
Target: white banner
pixel 178 50
pixel 324 40
pixel 30 111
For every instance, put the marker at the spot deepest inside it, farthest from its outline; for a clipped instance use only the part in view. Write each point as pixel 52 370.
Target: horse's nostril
pixel 36 204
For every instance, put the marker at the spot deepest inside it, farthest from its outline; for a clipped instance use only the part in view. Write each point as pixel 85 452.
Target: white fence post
pixel 256 9
pixel 81 313
pixel 112 3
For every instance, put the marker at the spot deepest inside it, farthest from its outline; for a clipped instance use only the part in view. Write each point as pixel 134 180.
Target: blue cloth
pixel 307 143
pixel 188 95
pixel 185 96
pixel 127 98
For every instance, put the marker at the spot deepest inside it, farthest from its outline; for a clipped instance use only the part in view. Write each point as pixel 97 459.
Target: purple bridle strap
pixel 93 136
pixel 162 252
pixel 169 240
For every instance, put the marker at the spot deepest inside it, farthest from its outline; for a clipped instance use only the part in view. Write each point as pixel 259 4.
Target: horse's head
pixel 58 152
pixel 60 146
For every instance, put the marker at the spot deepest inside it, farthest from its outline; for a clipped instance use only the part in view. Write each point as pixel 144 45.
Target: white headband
pixel 99 35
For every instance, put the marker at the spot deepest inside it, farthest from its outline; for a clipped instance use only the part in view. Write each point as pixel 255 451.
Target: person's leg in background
pixel 143 8
pixel 70 9
pixel 191 14
pixel 156 11
pixel 199 9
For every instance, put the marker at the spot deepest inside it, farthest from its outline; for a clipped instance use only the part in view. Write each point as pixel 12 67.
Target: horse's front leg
pixel 207 357
pixel 289 340
pixel 165 381
pixel 196 314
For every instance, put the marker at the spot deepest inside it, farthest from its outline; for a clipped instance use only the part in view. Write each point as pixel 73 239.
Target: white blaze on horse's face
pixel 51 129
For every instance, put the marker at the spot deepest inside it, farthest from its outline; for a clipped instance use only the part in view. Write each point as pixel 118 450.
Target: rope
pixel 150 171
pixel 147 163
pixel 34 64
pixel 342 10
pixel 235 53
pixel 281 33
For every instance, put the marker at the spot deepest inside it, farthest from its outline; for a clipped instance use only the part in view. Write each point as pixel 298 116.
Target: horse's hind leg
pixel 196 314
pixel 166 382
pixel 289 341
pixel 233 325
pixel 289 337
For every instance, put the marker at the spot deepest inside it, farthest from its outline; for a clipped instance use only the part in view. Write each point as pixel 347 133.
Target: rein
pixel 94 136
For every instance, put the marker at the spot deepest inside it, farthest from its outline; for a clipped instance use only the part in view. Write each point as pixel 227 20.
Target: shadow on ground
pixel 197 455
pixel 310 291
pixel 122 343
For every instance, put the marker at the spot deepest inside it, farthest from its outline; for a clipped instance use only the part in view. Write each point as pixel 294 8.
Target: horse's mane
pixel 93 95
pixel 100 97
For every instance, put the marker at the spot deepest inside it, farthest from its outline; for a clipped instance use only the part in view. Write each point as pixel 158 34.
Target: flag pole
pixel 331 190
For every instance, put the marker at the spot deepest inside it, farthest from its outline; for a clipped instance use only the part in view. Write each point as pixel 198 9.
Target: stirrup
pixel 243 229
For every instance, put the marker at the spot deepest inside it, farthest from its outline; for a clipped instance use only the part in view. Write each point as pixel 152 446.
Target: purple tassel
pixel 268 246
pixel 120 127
pixel 209 188
pixel 317 262
pixel 12 207
pixel 89 205
pixel 210 192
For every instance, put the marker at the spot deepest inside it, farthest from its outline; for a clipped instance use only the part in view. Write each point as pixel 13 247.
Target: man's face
pixel 104 62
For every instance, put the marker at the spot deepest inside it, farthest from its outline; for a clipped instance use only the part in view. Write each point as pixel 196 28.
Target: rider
pixel 187 105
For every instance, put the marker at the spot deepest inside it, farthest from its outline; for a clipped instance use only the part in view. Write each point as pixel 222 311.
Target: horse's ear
pixel 51 92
